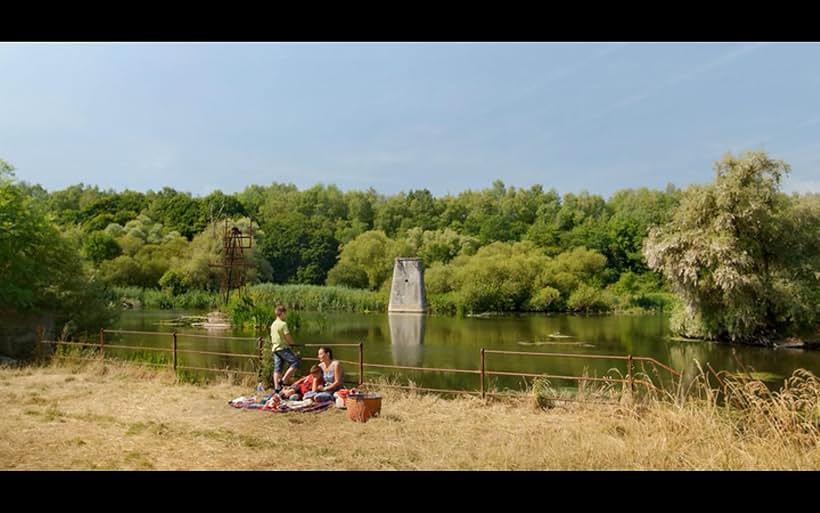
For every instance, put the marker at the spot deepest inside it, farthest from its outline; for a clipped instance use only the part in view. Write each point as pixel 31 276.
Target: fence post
pixel 260 344
pixel 361 363
pixel 174 346
pixel 102 342
pixel 482 373
pixel 39 350
pixel 629 373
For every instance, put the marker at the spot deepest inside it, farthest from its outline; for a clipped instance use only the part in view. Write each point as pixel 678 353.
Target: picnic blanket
pixel 273 404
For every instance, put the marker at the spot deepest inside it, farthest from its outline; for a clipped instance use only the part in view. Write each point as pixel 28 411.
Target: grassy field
pixel 110 415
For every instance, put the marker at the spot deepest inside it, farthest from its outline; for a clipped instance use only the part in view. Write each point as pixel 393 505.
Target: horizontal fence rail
pixel 629 381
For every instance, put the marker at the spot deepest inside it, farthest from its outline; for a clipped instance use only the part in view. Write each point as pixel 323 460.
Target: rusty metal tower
pixel 234 265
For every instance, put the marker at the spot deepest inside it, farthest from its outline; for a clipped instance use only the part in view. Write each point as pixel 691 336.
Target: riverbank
pixel 319 298
pixel 113 415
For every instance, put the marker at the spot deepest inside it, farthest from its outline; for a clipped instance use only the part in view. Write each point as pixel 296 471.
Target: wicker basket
pixel 360 407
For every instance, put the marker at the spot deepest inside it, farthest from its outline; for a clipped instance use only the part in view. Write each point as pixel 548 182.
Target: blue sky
pixel 446 117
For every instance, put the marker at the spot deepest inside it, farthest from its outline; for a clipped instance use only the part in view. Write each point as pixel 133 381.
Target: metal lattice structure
pixel 234 264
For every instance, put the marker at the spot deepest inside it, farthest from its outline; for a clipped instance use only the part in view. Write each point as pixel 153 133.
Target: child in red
pixel 308 385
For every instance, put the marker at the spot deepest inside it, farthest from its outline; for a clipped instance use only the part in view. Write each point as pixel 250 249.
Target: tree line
pixel 497 249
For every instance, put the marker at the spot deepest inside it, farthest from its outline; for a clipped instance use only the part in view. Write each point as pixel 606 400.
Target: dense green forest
pixel 498 249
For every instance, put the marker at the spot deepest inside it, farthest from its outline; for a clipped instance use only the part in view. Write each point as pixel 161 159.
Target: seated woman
pixel 304 387
pixel 332 374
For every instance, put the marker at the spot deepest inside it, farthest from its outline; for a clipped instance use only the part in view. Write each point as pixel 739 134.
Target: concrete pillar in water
pixel 407 294
pixel 406 338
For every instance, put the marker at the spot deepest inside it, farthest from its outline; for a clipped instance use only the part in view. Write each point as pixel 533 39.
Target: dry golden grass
pixel 119 416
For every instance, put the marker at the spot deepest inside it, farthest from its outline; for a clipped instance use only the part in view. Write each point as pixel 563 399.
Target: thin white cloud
pixel 634 98
pixel 555 76
pixel 504 102
pixel 565 72
pixel 655 88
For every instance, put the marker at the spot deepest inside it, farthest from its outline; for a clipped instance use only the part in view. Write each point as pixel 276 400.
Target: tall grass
pixel 265 295
pixel 791 414
pixel 737 401
pixel 342 299
pixel 318 298
pixel 138 297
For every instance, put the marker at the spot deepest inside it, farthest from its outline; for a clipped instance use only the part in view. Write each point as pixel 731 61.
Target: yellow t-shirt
pixel 278 330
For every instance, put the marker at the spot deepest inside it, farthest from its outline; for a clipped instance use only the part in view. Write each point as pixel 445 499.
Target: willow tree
pixel 741 255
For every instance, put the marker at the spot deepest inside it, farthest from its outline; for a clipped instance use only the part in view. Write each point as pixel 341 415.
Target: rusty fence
pixel 629 381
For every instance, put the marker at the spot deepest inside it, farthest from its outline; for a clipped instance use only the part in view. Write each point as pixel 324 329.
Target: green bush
pixel 444 304
pixel 347 274
pixel 243 311
pixel 173 282
pixel 589 299
pixel 100 246
pixel 546 299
